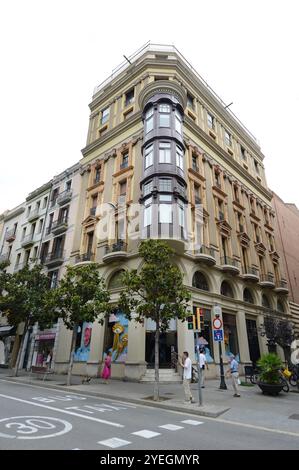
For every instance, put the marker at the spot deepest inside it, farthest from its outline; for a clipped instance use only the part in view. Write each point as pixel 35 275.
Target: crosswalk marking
pixel 192 422
pixel 146 434
pixel 171 427
pixel 114 442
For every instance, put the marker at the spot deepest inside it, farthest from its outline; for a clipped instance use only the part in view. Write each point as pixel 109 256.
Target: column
pixel 242 337
pixel 135 365
pixel 262 339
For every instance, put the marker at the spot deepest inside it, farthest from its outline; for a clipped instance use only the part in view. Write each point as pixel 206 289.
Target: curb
pixel 138 401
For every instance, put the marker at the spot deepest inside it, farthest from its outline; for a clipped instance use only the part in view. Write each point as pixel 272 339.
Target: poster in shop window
pixel 82 353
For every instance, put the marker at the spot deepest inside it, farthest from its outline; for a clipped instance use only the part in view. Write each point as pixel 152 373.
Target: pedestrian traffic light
pixel 191 322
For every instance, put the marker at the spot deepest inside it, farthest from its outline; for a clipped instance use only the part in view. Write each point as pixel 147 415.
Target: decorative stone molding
pixel 162 86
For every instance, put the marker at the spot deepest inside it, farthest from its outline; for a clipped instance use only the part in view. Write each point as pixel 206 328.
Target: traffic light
pixel 191 322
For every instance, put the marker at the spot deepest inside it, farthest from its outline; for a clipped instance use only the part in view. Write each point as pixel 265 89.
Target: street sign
pixel 217 323
pixel 218 335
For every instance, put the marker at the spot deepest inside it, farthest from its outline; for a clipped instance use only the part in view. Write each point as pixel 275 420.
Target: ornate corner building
pixel 160 144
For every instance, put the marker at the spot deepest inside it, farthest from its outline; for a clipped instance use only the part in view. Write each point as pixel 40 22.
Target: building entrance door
pixel 168 342
pixel 253 341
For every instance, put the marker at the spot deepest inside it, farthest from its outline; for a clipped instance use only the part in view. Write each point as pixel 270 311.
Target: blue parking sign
pixel 218 335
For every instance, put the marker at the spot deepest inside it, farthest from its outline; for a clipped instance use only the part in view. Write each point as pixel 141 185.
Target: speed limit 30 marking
pixel 33 427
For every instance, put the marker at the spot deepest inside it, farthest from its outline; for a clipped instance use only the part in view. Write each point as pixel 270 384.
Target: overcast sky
pixel 54 53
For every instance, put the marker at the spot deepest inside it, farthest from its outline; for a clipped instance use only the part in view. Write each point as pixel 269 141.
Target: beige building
pixel 162 143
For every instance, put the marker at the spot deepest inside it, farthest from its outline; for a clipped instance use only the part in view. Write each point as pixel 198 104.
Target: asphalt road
pixel 33 417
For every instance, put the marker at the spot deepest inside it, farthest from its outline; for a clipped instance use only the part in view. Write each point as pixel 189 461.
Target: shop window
pixel 116 336
pixel 200 282
pixel 205 339
pixel 230 335
pixel 83 340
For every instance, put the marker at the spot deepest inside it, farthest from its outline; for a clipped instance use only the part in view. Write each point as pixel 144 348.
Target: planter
pixel 270 389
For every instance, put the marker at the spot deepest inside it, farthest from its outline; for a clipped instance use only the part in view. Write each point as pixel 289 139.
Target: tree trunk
pixel 16 369
pixel 156 387
pixel 71 361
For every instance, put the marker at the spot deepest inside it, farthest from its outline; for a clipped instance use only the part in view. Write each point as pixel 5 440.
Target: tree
pixel 25 298
pixel 157 292
pixel 278 331
pixel 80 297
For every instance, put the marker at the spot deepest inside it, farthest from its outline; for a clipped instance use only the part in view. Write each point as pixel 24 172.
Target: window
pixel 165 213
pixel 256 166
pixel 247 296
pixel 199 281
pixel 53 277
pixel 40 225
pixel 217 178
pixel 181 214
pixel 129 98
pixel 165 197
pixel 226 290
pixel 236 192
pixel 243 153
pixel 149 120
pixel 179 157
pixel 18 262
pixel 178 121
pixel 164 115
pixel 125 160
pixel 164 152
pixel 35 253
pixel 147 188
pixel 97 174
pixel 148 156
pixel 265 301
pixel 29 209
pixel 164 184
pixel 116 280
pixel 195 162
pixel 211 121
pixel 197 194
pixel 280 306
pixel 123 188
pixel 68 185
pixel 230 335
pixel 190 101
pixel 128 113
pixel 148 212
pixel 45 202
pixel 105 115
pixel 227 138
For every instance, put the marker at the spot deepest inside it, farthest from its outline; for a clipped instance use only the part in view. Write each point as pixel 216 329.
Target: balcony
pixel 33 215
pixel 281 287
pixel 10 236
pixel 55 258
pixel 28 240
pixel 250 274
pixel 83 258
pixel 115 252
pixel 64 197
pixel 267 280
pixel 59 226
pixel 206 255
pixel 230 265
pixel 4 258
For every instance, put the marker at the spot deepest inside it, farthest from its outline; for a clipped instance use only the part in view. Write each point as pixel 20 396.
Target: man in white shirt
pixel 203 365
pixel 187 367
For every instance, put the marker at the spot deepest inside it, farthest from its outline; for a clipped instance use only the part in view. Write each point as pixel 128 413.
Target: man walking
pixel 187 367
pixel 202 365
pixel 234 372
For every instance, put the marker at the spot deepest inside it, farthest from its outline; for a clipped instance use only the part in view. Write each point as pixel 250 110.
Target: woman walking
pixel 106 373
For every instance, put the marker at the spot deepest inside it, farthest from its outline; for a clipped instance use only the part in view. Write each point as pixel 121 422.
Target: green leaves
pixel 269 365
pixel 157 292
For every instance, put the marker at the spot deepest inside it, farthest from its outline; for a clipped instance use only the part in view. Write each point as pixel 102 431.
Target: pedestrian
pixel 186 363
pixel 106 373
pixel 234 373
pixel 49 359
pixel 203 365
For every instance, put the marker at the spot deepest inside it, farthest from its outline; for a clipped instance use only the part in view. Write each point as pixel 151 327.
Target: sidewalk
pixel 252 408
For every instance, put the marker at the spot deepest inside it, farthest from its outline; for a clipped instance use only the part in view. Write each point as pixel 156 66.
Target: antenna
pixel 127 59
pixel 228 105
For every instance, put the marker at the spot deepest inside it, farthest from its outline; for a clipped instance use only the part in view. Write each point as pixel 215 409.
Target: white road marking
pixel 124 404
pixel 110 423
pixel 171 427
pixel 146 434
pixel 192 422
pixel 33 424
pixel 114 442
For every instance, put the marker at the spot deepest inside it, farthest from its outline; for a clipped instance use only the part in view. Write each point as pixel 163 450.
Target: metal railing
pixel 59 223
pixel 10 234
pixel 267 278
pixel 206 250
pixel 171 49
pixel 67 194
pixel 27 239
pixel 250 270
pixel 33 213
pixel 54 256
pixel 89 256
pixel 282 283
pixel 118 246
pixel 226 260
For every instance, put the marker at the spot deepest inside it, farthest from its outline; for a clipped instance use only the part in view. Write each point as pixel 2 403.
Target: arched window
pixel 199 281
pixel 247 296
pixel 226 290
pixel 116 280
pixel 280 305
pixel 265 301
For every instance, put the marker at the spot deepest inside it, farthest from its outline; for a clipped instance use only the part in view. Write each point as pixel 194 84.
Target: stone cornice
pixel 13 213
pixel 189 123
pixel 39 191
pixel 111 134
pixel 162 86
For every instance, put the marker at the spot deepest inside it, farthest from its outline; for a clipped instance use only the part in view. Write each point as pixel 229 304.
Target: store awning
pixel 7 330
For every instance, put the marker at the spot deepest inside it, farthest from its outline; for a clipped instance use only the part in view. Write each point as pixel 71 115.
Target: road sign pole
pixel 222 380
pixel 198 372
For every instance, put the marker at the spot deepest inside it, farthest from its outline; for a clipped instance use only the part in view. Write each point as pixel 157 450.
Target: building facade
pixel 287 240
pixel 165 159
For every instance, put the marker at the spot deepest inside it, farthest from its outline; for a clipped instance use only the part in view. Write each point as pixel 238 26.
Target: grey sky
pixel 54 53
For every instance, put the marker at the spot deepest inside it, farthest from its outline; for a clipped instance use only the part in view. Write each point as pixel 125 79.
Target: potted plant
pixel 269 376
